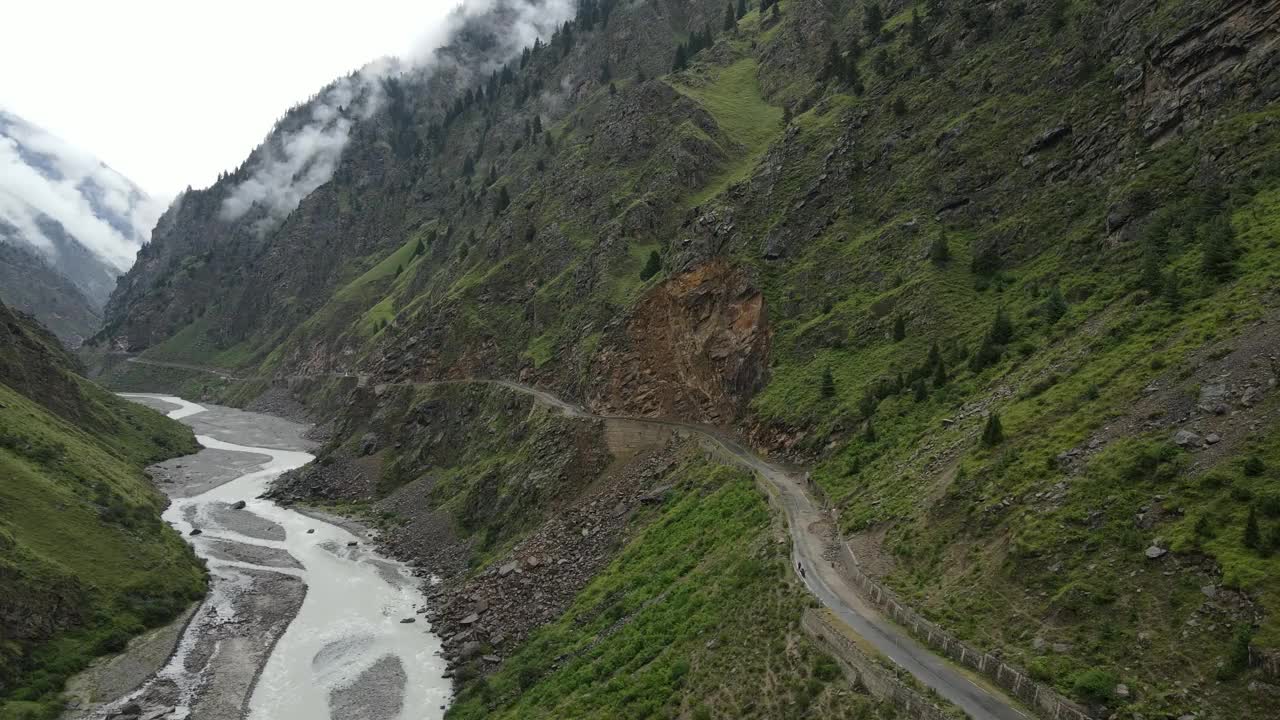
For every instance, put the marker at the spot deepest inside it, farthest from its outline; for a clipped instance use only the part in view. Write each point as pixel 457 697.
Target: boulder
pixel 238 505
pixel 1187 439
pixel 508 568
pixel 406 621
pixel 195 531
pixel 1155 552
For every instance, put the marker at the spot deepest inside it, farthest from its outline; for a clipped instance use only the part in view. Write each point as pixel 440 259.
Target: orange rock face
pixel 695 348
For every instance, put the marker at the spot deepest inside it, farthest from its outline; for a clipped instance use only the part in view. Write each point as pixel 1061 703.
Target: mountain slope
pixel 1002 275
pixel 28 284
pixel 86 561
pixel 85 220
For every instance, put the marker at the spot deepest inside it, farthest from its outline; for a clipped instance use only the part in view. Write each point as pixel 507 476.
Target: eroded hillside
pixel 1004 275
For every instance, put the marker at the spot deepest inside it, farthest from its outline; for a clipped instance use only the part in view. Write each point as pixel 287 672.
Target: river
pixel 304 619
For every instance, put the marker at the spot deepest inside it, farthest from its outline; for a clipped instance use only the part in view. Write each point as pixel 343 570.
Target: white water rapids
pixel 350 618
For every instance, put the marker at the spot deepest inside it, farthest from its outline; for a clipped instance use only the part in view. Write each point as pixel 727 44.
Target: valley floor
pixel 280 616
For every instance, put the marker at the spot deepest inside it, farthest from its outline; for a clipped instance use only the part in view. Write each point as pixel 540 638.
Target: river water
pixel 348 652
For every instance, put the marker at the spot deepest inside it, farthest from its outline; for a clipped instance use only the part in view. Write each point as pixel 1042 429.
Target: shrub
pixel 1093 685
pixel 652 267
pixel 1254 467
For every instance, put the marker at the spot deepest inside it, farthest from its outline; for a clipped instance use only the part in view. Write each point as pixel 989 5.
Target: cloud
pixel 43 176
pixel 295 161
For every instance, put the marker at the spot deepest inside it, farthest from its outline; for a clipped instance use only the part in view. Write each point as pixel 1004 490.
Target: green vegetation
pixel 697 617
pixel 85 560
pixel 732 95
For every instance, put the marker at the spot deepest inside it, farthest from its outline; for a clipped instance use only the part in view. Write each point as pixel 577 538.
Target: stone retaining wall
pixel 1042 699
pixel 863 670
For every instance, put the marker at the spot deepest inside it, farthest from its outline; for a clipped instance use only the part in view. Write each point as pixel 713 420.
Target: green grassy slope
pixel 85 561
pixel 697 617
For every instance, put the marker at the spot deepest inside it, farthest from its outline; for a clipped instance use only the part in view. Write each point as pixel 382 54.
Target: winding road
pixel 811 537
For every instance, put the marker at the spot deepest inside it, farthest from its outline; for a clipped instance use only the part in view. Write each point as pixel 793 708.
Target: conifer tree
pixel 828 385
pixel 940 250
pixel 1054 306
pixel 917 27
pixel 682 58
pixel 652 267
pixel 1252 535
pixel 1217 243
pixel 899 328
pixel 993 433
pixel 730 17
pixel 742 8
pixel 502 201
pixel 873 21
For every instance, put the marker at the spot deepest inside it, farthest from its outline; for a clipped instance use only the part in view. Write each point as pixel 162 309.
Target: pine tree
pixel 939 375
pixel 986 261
pixel 1171 293
pixel 502 201
pixel 1054 306
pixel 420 248
pixel 833 68
pixel 1151 279
pixel 1252 535
pixel 742 8
pixel 993 433
pixel 867 406
pixel 730 17
pixel 899 328
pixel 682 58
pixel 1001 331
pixel 652 267
pixel 935 356
pixel 828 386
pixel 917 27
pixel 1217 243
pixel 940 251
pixel 920 390
pixel 606 73
pixel 873 21
pixel 869 432
pixel 468 167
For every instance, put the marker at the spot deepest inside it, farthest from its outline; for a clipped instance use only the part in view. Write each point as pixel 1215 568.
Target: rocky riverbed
pixel 304 620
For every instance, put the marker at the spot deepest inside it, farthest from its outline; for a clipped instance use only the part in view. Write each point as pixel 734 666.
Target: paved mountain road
pixel 809 528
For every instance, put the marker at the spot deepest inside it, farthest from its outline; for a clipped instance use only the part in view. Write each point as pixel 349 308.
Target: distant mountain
pixel 28 282
pixel 81 219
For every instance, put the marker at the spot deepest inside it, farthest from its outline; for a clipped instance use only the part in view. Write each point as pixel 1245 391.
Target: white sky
pixel 170 93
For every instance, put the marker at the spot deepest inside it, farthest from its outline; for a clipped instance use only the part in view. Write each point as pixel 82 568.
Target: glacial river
pixel 350 650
